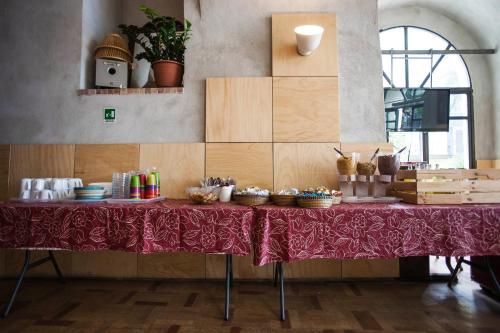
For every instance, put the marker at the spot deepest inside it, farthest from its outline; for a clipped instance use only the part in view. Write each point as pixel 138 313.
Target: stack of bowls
pixel 121 185
pixel 113 47
pixel 89 193
pixel 108 188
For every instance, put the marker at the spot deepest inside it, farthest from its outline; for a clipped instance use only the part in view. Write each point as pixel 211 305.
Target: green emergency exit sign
pixel 109 115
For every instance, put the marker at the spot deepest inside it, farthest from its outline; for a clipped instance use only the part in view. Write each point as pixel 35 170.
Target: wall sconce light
pixel 308 38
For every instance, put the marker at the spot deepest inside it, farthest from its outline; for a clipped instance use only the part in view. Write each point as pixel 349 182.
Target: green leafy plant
pixel 163 37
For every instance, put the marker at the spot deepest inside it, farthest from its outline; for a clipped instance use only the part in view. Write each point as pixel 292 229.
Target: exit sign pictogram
pixel 110 115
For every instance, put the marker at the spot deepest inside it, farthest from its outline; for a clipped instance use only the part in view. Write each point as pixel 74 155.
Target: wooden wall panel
pixel 14 260
pixel 314 269
pixel 239 109
pixel 242 266
pixel 180 164
pixel 305 109
pixel 286 60
pixel 109 264
pixel 376 268
pixel 172 265
pixel 488 164
pixel 304 165
pixel 96 163
pixel 39 161
pixel 250 164
pixel 4 171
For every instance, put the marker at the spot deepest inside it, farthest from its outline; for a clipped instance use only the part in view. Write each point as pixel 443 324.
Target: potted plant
pixel 163 39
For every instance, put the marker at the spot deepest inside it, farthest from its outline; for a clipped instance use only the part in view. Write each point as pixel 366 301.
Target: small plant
pixel 163 37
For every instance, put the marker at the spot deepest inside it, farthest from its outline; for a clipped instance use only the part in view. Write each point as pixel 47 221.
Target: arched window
pixel 452 149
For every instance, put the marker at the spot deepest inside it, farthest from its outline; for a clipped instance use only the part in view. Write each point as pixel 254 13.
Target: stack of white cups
pixel 48 188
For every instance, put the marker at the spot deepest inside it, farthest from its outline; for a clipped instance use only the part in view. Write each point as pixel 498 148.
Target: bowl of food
pixel 346 163
pixel 251 196
pixel 203 195
pixel 285 197
pixel 367 164
pixel 388 164
pixel 320 197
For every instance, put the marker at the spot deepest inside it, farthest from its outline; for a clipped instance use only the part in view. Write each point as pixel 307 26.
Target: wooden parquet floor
pixel 177 307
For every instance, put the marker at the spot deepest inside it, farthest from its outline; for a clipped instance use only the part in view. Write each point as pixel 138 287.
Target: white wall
pixel 38 101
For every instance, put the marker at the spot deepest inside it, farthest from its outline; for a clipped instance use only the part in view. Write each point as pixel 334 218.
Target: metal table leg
pixel 26 267
pixel 229 278
pixel 282 290
pixel 453 277
pixel 492 274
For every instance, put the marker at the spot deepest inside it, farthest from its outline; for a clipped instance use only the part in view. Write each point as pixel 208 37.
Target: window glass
pixel 458 105
pixel 412 141
pixel 421 39
pixel 450 149
pixel 451 72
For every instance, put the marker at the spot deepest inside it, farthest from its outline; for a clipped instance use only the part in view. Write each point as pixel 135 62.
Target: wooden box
pixel 448 186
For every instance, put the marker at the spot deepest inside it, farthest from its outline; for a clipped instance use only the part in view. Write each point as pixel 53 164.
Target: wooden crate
pixel 448 186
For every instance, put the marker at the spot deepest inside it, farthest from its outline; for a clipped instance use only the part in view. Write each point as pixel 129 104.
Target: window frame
pixel 468 91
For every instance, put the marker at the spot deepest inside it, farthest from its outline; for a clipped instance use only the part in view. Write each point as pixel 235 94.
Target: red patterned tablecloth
pixel 168 226
pixel 370 231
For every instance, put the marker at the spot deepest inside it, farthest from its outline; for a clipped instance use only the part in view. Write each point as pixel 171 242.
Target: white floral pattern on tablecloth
pixel 168 226
pixel 372 231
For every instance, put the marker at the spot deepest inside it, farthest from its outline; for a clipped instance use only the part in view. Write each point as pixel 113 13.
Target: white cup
pixel 225 193
pixel 25 195
pixel 74 182
pixel 26 184
pixel 48 182
pixel 46 195
pixel 58 184
pixel 38 184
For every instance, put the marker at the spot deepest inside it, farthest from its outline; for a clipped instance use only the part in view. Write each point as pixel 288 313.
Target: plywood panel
pixel 376 268
pixel 4 171
pixel 96 163
pixel 172 265
pixel 303 165
pixel 14 260
pixel 242 266
pixel 250 164
pixel 488 164
pixel 305 109
pixel 286 60
pixel 39 161
pixel 239 109
pixel 313 269
pixel 180 164
pixel 110 264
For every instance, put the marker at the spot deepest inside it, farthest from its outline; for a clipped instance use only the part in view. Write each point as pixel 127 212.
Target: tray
pixel 134 201
pixel 357 200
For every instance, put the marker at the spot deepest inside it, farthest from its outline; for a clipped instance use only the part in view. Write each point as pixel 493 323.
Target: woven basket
pixel 113 47
pixel 315 202
pixel 250 199
pixel 112 52
pixel 284 199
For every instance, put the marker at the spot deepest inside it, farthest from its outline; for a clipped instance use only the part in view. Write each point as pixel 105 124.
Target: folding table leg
pixel 282 290
pixel 453 277
pixel 56 267
pixel 276 275
pixel 20 279
pixel 492 274
pixel 229 275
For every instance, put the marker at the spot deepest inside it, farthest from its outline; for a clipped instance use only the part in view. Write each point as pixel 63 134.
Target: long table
pixel 276 234
pixel 370 231
pixel 167 226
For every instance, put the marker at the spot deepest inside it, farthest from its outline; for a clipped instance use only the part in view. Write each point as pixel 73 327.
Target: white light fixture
pixel 308 38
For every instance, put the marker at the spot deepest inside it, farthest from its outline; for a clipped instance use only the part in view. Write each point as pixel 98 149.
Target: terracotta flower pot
pixel 168 73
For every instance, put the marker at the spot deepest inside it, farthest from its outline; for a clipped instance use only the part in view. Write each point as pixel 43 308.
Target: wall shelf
pixel 131 91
